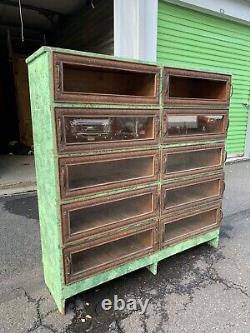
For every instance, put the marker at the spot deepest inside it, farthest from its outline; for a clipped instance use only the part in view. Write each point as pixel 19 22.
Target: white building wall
pixel 135 22
pixel 135 29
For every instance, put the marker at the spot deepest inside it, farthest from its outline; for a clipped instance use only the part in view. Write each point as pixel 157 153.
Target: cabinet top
pixel 57 50
pixel 49 49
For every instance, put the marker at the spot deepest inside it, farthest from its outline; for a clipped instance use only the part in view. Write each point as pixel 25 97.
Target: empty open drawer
pixel 191 193
pixel 90 217
pixel 80 129
pixel 193 87
pixel 179 228
pixel 84 260
pixel 96 80
pixel 192 159
pixel 88 174
pixel 193 125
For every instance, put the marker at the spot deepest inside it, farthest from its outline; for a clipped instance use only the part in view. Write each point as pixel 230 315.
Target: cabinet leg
pixel 60 303
pixel 153 268
pixel 214 242
pixel 61 307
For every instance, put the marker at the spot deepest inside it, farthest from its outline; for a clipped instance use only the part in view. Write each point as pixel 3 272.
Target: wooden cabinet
pixel 88 129
pixel 92 217
pixel 129 164
pixel 191 192
pixel 194 159
pixel 184 225
pixel 186 87
pixel 188 125
pixel 86 79
pixel 99 255
pixel 90 174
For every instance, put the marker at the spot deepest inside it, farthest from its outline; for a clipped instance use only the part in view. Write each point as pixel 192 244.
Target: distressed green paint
pixel 153 268
pixel 190 39
pixel 47 173
pixel 46 161
pixel 214 242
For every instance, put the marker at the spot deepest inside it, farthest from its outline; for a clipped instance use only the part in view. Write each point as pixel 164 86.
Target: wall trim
pixel 233 10
pixel 135 29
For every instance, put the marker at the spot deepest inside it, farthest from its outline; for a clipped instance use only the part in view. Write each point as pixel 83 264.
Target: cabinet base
pixel 150 262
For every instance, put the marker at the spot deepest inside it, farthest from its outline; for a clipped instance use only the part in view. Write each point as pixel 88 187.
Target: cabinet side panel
pixel 46 171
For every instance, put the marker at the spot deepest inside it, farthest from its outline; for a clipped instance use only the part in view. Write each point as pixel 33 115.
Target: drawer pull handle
pixel 223 187
pixel 228 121
pixel 166 85
pixel 60 130
pixel 68 265
pixel 59 79
pixel 225 156
pixel 221 215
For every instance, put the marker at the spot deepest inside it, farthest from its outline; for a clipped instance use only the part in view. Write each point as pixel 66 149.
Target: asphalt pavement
pixel 202 290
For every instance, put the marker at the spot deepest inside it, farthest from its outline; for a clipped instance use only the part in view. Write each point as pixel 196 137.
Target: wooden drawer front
pixel 196 125
pixel 90 258
pixel 176 228
pixel 194 88
pixel 192 160
pixel 90 217
pixel 190 193
pixel 89 174
pixel 81 79
pixel 81 129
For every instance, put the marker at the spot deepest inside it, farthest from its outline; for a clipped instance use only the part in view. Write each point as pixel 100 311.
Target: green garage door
pixel 191 39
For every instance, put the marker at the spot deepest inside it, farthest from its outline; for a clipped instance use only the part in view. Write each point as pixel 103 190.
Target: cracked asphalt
pixel 200 290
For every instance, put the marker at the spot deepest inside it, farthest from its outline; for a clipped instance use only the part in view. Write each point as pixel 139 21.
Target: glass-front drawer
pixel 195 87
pixel 80 129
pixel 91 258
pixel 192 192
pixel 176 229
pixel 89 217
pixel 193 125
pixel 88 174
pixel 95 80
pixel 192 159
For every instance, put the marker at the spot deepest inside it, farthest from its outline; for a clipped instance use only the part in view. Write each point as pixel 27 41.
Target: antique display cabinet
pixel 129 163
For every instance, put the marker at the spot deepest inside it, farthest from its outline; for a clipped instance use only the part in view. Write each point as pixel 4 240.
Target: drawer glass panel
pixel 106 172
pixel 111 252
pixel 107 213
pixel 189 225
pixel 194 124
pixel 193 160
pixel 81 129
pixel 191 193
pixel 108 81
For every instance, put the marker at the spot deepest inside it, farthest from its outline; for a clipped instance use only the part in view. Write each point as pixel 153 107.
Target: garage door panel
pixel 195 40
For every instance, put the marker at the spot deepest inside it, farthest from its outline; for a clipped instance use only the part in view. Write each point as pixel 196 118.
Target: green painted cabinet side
pixel 47 172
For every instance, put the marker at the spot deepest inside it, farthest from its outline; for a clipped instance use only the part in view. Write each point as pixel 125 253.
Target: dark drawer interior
pixel 90 174
pixel 87 261
pixel 197 88
pixel 191 160
pixel 89 218
pixel 108 81
pixel 182 228
pixel 182 195
pixel 99 172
